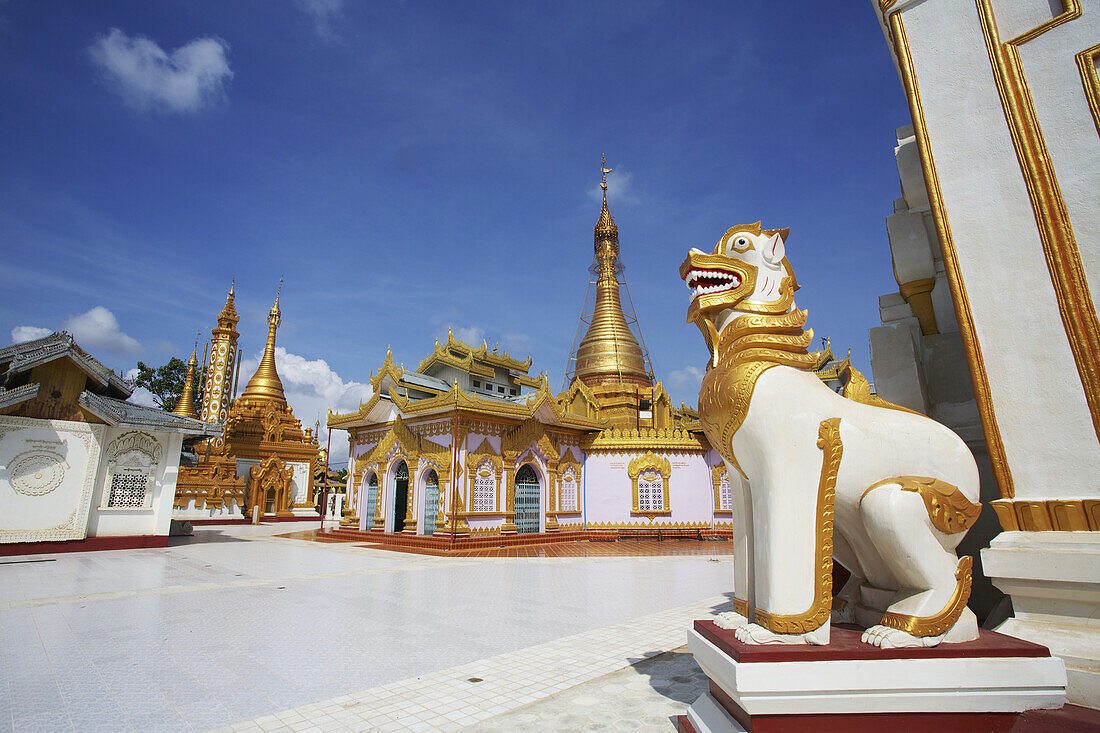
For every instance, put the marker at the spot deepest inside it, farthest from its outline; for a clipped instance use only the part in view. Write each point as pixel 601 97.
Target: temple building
pixel 470 443
pixel 76 459
pixel 264 463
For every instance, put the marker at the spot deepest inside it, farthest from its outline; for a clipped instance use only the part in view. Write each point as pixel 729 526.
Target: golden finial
pixel 604 170
pixel 232 286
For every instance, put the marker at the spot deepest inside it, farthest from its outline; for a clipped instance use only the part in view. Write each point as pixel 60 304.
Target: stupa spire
pixel 609 352
pixel 185 407
pixel 265 383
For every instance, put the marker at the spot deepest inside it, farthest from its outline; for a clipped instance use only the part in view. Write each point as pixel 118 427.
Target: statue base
pixel 851 686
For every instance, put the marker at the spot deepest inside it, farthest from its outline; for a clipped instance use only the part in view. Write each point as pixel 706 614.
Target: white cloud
pixel 19 334
pixel 689 378
pixel 98 329
pixel 324 13
pixel 312 388
pixel 147 77
pixel 469 335
pixel 619 190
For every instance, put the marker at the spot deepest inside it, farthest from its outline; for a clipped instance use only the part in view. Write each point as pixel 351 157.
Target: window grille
pixel 128 489
pixel 485 489
pixel 651 492
pixel 725 496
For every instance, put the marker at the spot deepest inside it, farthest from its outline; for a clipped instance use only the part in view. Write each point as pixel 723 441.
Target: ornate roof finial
pixel 606 229
pixel 228 318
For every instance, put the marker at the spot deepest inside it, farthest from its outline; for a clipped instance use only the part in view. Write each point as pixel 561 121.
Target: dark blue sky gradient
pixel 425 164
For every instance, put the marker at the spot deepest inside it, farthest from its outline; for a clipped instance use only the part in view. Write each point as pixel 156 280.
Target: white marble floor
pixel 237 627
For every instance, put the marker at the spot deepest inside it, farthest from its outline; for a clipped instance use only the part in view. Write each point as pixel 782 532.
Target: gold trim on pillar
pixel 941 622
pixel 1039 515
pixel 1051 218
pixel 1086 62
pixel 828 440
pixel 959 297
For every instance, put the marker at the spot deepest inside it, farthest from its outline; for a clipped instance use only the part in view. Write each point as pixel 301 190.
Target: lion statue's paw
pixel 886 637
pixel 730 620
pixel 757 634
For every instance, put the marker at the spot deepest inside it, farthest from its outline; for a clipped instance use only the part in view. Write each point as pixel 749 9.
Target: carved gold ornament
pixel 941 622
pixel 948 508
pixel 773 340
pixel 828 440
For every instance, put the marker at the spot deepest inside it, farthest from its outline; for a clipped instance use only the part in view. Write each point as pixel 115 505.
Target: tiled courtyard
pixel 240 628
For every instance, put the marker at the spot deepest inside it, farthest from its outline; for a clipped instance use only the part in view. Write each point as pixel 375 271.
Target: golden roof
pixel 609 352
pixel 265 384
pixel 185 407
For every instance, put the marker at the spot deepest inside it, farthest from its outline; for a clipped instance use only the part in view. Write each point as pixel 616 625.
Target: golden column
pixel 223 359
pixel 185 407
pixel 609 352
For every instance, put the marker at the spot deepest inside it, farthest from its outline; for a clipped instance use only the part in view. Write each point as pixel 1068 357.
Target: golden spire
pixel 185 407
pixel 265 383
pixel 228 318
pixel 609 352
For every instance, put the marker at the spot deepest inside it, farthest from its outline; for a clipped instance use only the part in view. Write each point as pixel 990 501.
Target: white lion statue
pixel 885 491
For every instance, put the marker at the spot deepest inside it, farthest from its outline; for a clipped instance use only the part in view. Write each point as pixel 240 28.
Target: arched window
pixel 372 495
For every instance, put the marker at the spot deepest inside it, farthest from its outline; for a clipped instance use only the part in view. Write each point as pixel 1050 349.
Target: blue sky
pixel 410 166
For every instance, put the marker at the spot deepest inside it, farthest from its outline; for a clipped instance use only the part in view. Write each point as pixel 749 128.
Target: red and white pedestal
pixel 852 686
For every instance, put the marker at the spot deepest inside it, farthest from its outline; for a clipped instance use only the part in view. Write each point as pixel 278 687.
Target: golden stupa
pixel 609 353
pixel 265 461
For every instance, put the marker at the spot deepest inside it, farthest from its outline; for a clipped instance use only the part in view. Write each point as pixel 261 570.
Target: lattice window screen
pixel 651 492
pixel 485 490
pixel 725 498
pixel 128 489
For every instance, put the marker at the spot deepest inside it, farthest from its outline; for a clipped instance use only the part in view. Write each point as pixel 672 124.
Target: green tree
pixel 166 382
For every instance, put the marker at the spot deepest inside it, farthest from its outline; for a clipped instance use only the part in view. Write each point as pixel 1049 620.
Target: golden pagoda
pixel 185 406
pixel 609 361
pixel 272 458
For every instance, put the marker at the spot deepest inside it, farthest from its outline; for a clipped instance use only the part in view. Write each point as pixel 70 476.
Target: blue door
pixel 527 501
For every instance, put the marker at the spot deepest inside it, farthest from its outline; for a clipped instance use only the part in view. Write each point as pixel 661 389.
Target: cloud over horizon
pixel 94 329
pixel 147 77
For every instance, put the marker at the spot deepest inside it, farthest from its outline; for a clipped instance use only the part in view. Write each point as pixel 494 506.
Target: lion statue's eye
pixel 741 245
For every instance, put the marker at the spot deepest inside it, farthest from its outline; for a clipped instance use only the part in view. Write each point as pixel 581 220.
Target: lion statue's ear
pixel 773 250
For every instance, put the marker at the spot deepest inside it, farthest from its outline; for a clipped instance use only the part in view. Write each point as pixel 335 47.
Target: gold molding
pixel 948 508
pixel 941 622
pixel 959 298
pixel 634 440
pixel 653 464
pixel 741 606
pixel 1071 10
pixel 1047 515
pixel 1051 218
pixel 828 440
pixel 1086 62
pixel 716 474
